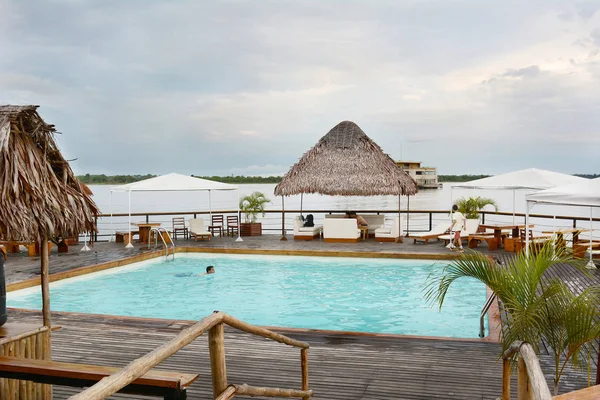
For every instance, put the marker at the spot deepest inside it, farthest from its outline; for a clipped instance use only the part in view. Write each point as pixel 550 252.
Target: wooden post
pixel 598 368
pixel 304 365
pixel 216 347
pixel 523 390
pixel 283 237
pixel 45 280
pixel 505 379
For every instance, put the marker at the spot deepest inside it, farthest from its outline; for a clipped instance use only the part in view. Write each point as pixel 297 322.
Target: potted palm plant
pixel 471 206
pixel 251 206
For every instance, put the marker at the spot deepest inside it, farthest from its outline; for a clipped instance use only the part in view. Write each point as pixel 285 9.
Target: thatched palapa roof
pixel 39 193
pixel 346 162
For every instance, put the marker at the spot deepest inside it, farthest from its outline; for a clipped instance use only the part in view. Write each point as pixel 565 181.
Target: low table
pixel 364 232
pixel 144 229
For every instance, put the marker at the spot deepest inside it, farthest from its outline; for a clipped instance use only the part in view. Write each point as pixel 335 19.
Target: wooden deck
pixel 341 366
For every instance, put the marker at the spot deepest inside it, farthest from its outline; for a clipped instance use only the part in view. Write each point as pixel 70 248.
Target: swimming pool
pixel 347 294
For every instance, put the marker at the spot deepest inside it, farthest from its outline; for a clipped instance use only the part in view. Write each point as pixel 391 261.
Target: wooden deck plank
pixel 341 366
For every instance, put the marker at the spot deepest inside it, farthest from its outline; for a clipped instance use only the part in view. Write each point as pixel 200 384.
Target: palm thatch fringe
pixel 346 162
pixel 39 193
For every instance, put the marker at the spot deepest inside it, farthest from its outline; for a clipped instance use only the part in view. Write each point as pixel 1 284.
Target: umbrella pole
pixel 407 214
pixel 45 281
pixel 239 238
pixel 129 245
pixel 301 201
pixel 283 219
pixel 209 205
pixel 514 193
pixel 399 240
pixel 451 190
pixel 527 229
pixel 110 239
pixel 590 264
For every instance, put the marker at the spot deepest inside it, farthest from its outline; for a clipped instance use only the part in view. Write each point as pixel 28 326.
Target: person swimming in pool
pixel 209 270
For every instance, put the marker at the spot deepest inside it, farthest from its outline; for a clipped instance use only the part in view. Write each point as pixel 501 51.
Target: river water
pixel 431 199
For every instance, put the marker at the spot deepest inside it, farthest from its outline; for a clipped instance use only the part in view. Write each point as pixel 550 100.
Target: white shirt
pixel 459 221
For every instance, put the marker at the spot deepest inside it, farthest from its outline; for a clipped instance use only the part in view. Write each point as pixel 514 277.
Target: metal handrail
pixel 484 310
pixel 159 232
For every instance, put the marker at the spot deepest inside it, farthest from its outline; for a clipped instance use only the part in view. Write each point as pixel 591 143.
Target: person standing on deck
pixel 458 224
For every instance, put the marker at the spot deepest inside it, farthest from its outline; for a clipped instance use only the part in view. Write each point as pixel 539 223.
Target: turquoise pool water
pixel 348 294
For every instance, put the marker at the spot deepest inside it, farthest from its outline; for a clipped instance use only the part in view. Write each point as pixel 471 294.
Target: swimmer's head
pixel 210 269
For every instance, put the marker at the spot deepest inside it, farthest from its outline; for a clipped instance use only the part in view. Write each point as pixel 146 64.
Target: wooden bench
pixel 491 240
pixel 169 385
pixel 123 237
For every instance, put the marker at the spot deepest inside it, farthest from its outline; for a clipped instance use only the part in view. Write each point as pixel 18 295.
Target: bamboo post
pixel 523 392
pixel 598 368
pixel 304 366
pixel 45 281
pixel 505 379
pixel 252 391
pixel 216 347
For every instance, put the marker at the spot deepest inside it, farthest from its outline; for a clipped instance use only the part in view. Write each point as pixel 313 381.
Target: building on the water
pixel 426 177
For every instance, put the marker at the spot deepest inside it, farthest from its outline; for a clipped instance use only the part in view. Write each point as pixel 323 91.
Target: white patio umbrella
pixel 585 194
pixel 172 183
pixel 526 179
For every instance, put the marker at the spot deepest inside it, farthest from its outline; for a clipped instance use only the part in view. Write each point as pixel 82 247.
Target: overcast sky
pixel 246 87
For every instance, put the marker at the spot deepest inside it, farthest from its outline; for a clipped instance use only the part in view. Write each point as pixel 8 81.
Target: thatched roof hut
pixel 346 162
pixel 39 193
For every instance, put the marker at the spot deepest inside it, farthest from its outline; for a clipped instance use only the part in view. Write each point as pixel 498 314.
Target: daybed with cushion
pixel 340 230
pixel 435 233
pixel 305 232
pixel 391 233
pixel 197 229
pixel 374 221
pixel 471 229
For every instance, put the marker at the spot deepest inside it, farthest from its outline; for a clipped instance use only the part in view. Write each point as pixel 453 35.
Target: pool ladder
pixel 162 232
pixel 484 311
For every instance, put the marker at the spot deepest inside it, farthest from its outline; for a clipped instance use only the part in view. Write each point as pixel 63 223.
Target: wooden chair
pixel 216 225
pixel 179 227
pixel 535 242
pixel 233 225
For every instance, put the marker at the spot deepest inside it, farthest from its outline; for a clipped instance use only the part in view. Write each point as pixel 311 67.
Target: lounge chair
pixel 392 233
pixel 197 229
pixel 470 229
pixel 435 233
pixel 306 233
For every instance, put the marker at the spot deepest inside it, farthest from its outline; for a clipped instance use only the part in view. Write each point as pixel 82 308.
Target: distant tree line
pixel 89 179
pixel 589 176
pixel 459 178
pixel 123 179
pixel 243 179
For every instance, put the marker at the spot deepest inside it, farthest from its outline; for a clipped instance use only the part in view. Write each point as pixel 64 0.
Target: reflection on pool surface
pixel 347 294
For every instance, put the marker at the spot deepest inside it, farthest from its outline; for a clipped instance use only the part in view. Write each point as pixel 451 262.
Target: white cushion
pixel 197 227
pixel 340 228
pixel 392 231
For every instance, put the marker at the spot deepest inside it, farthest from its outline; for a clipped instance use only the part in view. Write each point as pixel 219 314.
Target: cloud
pixel 257 83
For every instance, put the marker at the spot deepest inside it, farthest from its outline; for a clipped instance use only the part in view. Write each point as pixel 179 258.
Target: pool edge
pixel 185 323
pixel 88 269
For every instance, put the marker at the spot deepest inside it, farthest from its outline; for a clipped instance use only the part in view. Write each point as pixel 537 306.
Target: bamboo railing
pixel 414 220
pixel 215 325
pixel 28 345
pixel 531 383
